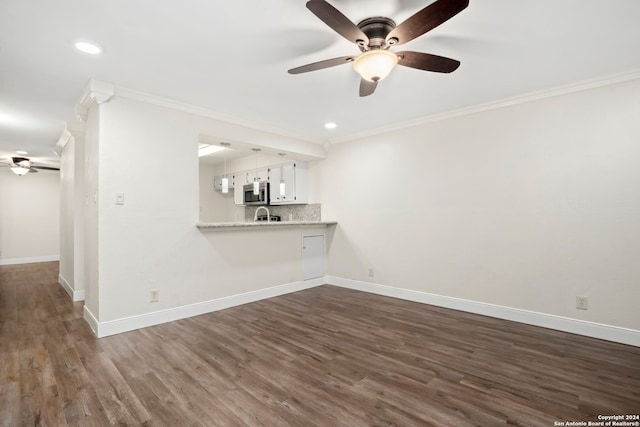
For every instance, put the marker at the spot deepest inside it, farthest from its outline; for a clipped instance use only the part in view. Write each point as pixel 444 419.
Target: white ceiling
pixel 232 57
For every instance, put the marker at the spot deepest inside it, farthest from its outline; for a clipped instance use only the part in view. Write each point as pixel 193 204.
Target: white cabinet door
pixel 242 178
pixel 238 188
pixel 274 186
pixel 217 182
pixel 312 257
pixel 262 174
pixel 290 183
pixel 238 195
pixel 295 178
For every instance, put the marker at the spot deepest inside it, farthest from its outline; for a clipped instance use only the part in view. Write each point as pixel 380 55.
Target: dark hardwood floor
pixel 321 357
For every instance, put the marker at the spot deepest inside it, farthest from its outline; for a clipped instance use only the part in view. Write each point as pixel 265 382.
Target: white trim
pixel 65 137
pixel 111 327
pixel 98 92
pixel 71 130
pixel 73 294
pixel 520 99
pixel 29 260
pixel 66 286
pixel 574 326
pixel 90 319
pixel 95 91
pixel 78 296
pixel 210 114
pixel 565 324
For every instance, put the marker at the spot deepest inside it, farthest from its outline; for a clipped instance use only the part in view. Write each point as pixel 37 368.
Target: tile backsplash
pixel 310 212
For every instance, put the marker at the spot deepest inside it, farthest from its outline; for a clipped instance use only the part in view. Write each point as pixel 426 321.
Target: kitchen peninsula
pixel 294 216
pixel 262 224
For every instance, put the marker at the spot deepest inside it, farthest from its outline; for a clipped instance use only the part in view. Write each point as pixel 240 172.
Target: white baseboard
pixel 29 260
pixel 73 294
pixel 112 327
pixel 90 319
pixel 565 324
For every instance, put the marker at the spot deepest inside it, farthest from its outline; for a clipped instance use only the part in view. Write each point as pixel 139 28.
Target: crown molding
pixel 76 129
pixel 63 140
pixel 210 114
pixel 506 102
pixel 98 92
pixel 94 92
pixel 71 130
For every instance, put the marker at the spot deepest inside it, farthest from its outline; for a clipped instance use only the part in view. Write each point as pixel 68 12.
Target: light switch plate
pixel 119 198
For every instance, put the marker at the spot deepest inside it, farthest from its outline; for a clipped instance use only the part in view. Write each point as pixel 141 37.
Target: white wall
pixel 79 276
pixel 213 204
pixel 29 217
pixel 151 242
pixel 67 214
pixel 525 206
pixel 72 211
pixel 90 228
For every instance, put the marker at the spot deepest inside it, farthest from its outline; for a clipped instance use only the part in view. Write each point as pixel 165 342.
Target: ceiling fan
pixel 374 36
pixel 22 165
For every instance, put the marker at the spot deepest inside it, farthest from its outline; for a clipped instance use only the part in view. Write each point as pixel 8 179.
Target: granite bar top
pixel 261 224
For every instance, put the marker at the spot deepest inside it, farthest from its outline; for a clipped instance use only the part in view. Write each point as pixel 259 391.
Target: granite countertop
pixel 227 225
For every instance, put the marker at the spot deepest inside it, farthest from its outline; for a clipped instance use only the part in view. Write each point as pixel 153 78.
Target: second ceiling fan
pixel 374 36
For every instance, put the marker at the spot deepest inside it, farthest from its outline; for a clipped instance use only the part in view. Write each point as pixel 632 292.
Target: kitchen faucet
pixel 255 217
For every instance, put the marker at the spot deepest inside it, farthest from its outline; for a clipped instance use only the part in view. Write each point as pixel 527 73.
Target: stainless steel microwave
pixel 262 198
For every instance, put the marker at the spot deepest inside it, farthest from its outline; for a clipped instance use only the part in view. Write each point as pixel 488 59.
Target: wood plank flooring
pixel 321 357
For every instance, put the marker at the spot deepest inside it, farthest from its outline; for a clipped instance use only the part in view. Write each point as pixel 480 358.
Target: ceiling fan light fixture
pixel 19 170
pixel 375 65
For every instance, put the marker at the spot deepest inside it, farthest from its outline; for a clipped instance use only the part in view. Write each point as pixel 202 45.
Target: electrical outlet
pixel 154 296
pixel 371 272
pixel 582 303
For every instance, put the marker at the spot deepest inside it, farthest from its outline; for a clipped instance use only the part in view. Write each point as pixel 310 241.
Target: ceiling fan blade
pixel 322 64
pixel 32 170
pixel 336 20
pixel 427 62
pixel 426 20
pixel 47 168
pixel 367 87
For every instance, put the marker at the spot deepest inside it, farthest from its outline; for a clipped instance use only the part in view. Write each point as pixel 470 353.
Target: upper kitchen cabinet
pixel 246 177
pixel 261 174
pixel 294 177
pixel 217 182
pixel 238 192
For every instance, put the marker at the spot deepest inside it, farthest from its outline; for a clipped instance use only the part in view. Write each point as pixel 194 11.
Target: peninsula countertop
pixel 261 224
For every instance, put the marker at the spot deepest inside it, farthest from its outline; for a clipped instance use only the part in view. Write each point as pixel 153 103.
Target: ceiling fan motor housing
pixel 376 29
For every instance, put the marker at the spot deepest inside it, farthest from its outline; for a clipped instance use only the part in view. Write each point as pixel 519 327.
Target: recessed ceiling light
pixel 24 153
pixel 330 125
pixel 88 47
